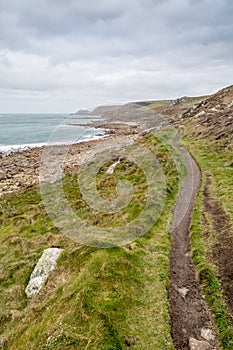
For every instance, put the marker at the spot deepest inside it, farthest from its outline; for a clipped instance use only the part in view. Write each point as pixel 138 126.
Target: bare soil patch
pixel 188 310
pixel 222 250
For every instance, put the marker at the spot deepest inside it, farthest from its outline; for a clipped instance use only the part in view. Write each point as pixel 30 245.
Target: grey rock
pixel 207 334
pixel 183 291
pixel 46 263
pixel 195 344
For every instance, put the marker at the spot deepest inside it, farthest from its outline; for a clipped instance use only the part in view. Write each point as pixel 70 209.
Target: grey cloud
pixel 139 25
pixel 115 49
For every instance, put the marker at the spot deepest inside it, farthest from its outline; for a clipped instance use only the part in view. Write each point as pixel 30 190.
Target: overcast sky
pixel 62 55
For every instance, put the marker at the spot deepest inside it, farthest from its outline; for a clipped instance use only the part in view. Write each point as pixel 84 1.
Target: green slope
pixel 96 298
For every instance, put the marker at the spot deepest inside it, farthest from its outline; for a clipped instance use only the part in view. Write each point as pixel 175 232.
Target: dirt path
pixel 191 325
pixel 222 250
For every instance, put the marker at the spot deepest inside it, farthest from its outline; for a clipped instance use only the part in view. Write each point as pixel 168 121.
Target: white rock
pixel 46 263
pixel 111 169
pixel 207 334
pixel 199 114
pixel 183 291
pixel 195 344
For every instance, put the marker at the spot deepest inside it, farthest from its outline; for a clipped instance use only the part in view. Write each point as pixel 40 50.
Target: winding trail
pixel 191 325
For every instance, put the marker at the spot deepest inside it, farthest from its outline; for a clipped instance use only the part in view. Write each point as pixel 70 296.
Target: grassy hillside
pixel 96 298
pixel 156 106
pixel 212 233
pixel 208 135
pixel 116 298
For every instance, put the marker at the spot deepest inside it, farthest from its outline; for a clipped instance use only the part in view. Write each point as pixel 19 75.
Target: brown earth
pixel 222 250
pixel 210 118
pixel 189 313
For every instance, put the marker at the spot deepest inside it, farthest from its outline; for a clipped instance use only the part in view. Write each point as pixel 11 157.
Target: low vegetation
pixel 97 298
pixel 112 299
pixel 156 106
pixel 211 229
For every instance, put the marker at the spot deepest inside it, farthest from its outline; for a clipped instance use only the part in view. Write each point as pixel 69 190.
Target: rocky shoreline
pixel 20 170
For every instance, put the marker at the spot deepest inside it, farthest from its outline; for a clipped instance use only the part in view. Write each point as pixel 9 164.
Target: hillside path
pixel 191 325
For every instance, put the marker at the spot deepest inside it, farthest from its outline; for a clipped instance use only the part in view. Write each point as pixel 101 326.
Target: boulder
pixel 195 344
pixel 40 274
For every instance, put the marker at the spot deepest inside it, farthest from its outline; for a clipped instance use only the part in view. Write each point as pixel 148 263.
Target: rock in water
pixel 46 263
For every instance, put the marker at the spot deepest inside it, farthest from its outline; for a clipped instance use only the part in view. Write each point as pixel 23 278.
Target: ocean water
pixel 23 131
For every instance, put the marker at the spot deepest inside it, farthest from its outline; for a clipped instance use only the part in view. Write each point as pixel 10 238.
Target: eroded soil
pixel 223 248
pixel 188 310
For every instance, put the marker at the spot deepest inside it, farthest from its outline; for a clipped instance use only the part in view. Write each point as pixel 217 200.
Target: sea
pixel 23 131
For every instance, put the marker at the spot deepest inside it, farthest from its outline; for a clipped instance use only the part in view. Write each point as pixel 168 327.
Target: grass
pixel 216 158
pixel 208 276
pixel 215 161
pixel 157 106
pixel 96 298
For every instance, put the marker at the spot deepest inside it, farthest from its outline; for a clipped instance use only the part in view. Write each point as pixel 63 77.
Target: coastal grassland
pixel 160 106
pixel 157 106
pixel 214 158
pixel 96 298
pixel 211 228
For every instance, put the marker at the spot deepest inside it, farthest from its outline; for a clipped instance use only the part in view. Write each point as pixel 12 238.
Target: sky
pixel 62 55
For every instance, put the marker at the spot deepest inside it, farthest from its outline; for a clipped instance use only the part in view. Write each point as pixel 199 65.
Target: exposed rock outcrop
pixel 195 344
pixel 40 274
pixel 20 170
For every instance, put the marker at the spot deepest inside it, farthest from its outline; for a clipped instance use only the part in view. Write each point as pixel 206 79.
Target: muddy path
pixel 222 250
pixel 191 325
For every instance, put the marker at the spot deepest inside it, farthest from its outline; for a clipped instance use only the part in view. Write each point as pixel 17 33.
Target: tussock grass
pixel 215 160
pixel 97 298
pixel 208 276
